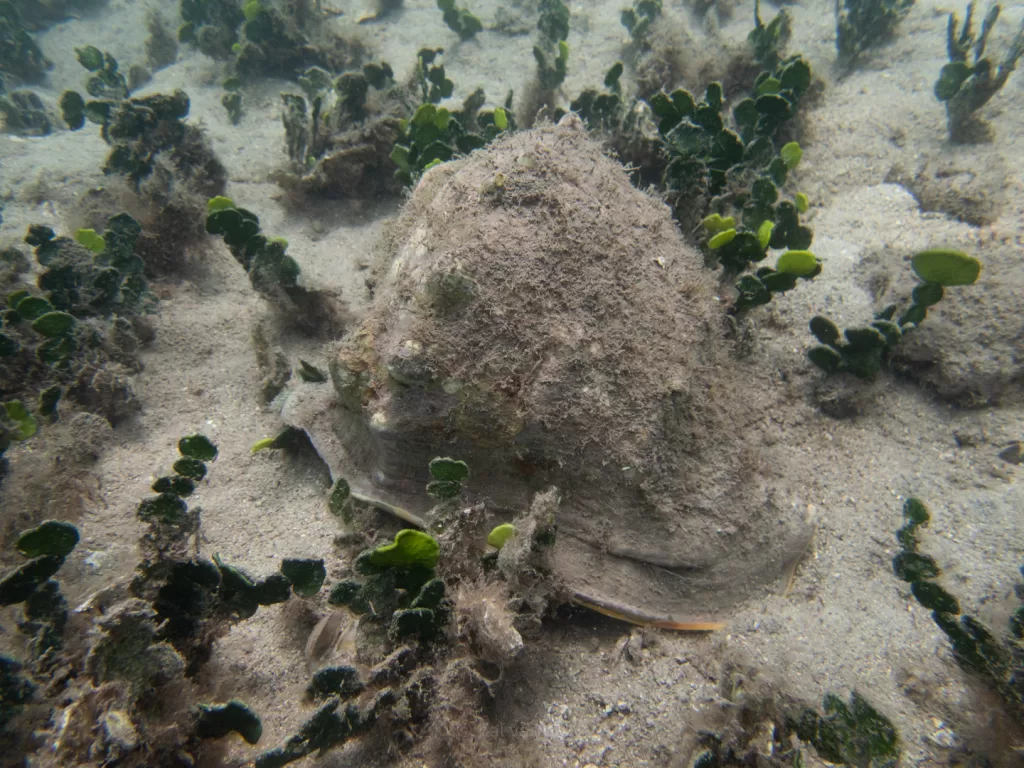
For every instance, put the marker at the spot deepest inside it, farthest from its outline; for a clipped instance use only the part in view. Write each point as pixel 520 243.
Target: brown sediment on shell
pixel 558 331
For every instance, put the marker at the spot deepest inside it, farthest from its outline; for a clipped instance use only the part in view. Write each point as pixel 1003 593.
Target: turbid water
pixel 551 311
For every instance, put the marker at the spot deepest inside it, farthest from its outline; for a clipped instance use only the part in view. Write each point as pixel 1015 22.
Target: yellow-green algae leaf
pixel 410 548
pixel 91 240
pixel 799 263
pixel 441 118
pixel 791 154
pixel 500 119
pixel 946 267
pixel 717 223
pixel 262 445
pixel 251 10
pixel 500 535
pixel 219 203
pixel 24 424
pixel 722 239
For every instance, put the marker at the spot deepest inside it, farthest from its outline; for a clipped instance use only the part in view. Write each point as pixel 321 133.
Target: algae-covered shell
pixel 591 355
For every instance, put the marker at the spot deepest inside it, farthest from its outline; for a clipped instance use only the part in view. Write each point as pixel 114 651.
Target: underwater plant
pixel 232 99
pixel 195 600
pixel 271 271
pixel 275 45
pixel 23 112
pixel 601 110
pixel 702 149
pixel 216 720
pixel 997 661
pixel 168 161
pixel 638 19
pixel 769 39
pixel 402 607
pixel 16 690
pixel 552 67
pixel 93 275
pixel 142 130
pixel 434 135
pixel 265 39
pixel 551 51
pixel 20 55
pixel 500 534
pixel 353 87
pixel 459 20
pixel 328 727
pixel 854 734
pixel 211 25
pixel 105 82
pixel 722 175
pixel 161 43
pixel 967 84
pixel 309 372
pixel 361 133
pixel 137 129
pixel 16 424
pixel 288 439
pixel 738 175
pixel 79 318
pixel 864 24
pixel 554 20
pixel 103 280
pixel 863 351
pixel 449 475
pixel 126 669
pixel 331 106
pixel 776 96
pixel 45 609
pixel 430 73
pixel 400 593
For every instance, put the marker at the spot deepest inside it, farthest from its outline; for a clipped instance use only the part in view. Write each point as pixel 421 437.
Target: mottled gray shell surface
pixel 541 319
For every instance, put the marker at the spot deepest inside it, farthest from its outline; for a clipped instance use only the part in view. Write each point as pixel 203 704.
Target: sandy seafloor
pixel 576 700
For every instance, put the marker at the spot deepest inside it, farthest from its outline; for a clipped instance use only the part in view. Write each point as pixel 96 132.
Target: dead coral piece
pixel 486 621
pixel 525 552
pixel 161 45
pixel 669 58
pixel 125 649
pixel 272 364
pixel 356 163
pixel 107 390
pixel 138 77
pixel 127 701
